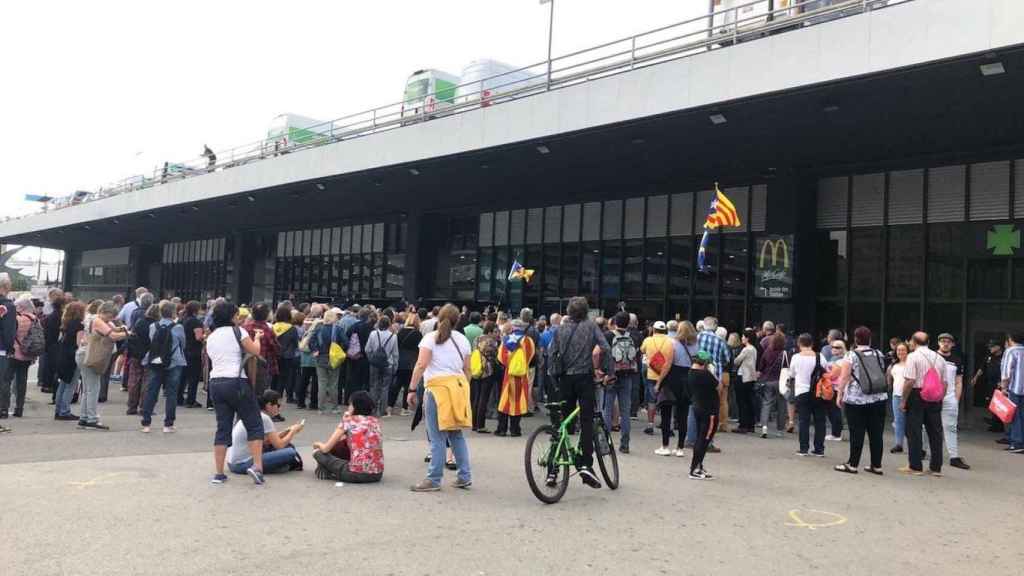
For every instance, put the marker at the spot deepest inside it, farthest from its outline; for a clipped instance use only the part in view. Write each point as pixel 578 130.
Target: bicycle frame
pixel 565 452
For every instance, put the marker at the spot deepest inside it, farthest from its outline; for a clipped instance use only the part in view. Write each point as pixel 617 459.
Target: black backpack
pixel 138 342
pixel 872 372
pixel 379 357
pixel 161 347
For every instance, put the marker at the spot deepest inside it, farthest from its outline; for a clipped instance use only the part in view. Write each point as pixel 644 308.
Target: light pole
pixel 551 31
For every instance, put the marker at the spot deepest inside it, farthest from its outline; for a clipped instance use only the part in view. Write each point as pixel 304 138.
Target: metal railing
pixel 720 29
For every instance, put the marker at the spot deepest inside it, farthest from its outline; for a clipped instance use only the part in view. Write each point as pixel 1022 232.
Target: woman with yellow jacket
pixel 515 354
pixel 443 365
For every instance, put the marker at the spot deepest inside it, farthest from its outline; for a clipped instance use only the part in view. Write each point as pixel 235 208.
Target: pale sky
pixel 99 91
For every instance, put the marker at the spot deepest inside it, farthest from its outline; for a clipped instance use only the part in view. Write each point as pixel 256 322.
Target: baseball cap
pixel 702 357
pixel 660 326
pixel 946 336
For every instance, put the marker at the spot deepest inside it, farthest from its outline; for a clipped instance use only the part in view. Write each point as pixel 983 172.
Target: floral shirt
pixel 364 443
pixel 854 394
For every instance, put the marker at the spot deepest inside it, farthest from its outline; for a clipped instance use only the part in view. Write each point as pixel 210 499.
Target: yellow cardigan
pixel 451 394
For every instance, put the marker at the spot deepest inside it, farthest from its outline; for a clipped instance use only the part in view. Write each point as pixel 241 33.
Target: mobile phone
pixel 302 422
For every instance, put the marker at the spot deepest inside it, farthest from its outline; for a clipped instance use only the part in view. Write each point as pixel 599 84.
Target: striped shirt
pixel 711 343
pixel 1012 369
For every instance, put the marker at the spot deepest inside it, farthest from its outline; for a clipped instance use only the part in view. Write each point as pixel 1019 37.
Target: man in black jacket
pixel 51 333
pixel 8 330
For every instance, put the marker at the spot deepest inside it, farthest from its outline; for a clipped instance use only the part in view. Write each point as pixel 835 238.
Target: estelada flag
pixel 520 273
pixel 722 212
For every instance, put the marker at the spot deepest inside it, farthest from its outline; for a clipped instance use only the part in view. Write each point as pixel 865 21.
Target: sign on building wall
pixel 773 266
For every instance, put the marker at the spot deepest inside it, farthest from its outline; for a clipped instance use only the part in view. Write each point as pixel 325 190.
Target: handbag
pixel 1002 407
pixel 785 375
pixel 98 351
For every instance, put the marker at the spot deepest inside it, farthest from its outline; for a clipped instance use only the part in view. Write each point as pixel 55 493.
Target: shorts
pixel 231 397
pixel 650 396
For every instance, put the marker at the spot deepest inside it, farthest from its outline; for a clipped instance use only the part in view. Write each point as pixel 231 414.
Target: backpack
pixel 624 353
pixel 161 346
pixel 379 357
pixel 932 387
pixel 476 364
pixel 138 342
pixel 517 363
pixel 336 356
pixel 823 389
pixel 872 372
pixel 657 360
pixel 34 343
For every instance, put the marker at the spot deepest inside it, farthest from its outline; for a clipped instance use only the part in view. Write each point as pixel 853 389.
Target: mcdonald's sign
pixel 773 270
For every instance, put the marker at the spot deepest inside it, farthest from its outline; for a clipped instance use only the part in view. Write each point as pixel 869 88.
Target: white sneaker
pixel 169 430
pixel 663 451
pixel 679 453
pixel 405 412
pixel 834 438
pixel 145 430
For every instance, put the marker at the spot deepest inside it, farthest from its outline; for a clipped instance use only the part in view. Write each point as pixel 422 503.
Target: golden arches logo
pixel 776 246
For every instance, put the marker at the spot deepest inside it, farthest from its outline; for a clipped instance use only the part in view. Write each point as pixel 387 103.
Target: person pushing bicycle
pixel 573 365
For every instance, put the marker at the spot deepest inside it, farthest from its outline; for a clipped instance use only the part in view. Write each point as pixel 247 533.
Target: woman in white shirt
pixel 444 356
pixel 806 367
pixel 230 390
pixel 746 369
pixel 896 381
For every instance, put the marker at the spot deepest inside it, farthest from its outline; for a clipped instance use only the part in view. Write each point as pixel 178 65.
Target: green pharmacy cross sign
pixel 1003 240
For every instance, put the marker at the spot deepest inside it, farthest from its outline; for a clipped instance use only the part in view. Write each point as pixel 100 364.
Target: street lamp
pixel 551 30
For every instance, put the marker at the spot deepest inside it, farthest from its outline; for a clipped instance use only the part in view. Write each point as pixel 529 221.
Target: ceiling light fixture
pixel 320 186
pixel 414 172
pixel 116 221
pixel 150 215
pixel 195 208
pixel 831 108
pixel 717 119
pixel 378 183
pixel 250 198
pixel 543 149
pixel 992 69
pixel 638 141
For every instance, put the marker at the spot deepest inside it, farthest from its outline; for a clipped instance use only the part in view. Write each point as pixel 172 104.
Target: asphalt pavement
pixel 122 502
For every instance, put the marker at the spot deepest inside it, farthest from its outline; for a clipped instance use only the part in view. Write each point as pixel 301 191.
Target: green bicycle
pixel 550 453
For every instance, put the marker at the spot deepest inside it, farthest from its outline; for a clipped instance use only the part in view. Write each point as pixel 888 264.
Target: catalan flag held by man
pixel 721 213
pixel 519 273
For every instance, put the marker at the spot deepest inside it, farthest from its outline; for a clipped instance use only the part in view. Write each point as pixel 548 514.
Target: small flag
pixel 520 273
pixel 722 212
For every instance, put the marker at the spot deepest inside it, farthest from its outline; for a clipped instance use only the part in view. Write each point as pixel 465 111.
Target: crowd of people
pixel 456 369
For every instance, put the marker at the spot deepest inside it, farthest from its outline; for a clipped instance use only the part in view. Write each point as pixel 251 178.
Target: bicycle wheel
pixel 604 450
pixel 540 460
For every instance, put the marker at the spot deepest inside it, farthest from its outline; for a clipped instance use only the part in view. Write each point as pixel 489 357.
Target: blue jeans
pixel 691 428
pixel 623 390
pixel 1017 424
pixel 65 393
pixel 273 461
pixel 438 442
pixel 169 378
pixel 899 421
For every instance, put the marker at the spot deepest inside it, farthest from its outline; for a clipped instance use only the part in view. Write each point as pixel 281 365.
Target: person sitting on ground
pixel 355 451
pixel 278 453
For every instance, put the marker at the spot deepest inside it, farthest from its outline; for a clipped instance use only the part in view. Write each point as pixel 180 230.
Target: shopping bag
pixel 1002 407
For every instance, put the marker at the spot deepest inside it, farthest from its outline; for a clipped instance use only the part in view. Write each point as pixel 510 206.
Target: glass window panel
pixel 906 260
pixel 378 275
pixel 759 208
pixel 703 208
pixel 657 216
pixel 902 319
pixel 946 193
pixel 290 245
pixel 634 226
pixel 280 244
pixel 346 240
pixel 315 242
pixel 708 277
pixel 906 197
pixel 534 225
pixel 571 223
pixel 734 267
pixel 395 276
pixel 325 241
pixel 378 237
pixel 307 236
pixel 682 214
pixel 654 270
pixel 990 191
pixel 166 255
pixel 943 318
pixel 517 227
pixel 681 253
pixel 552 224
pixel 570 269
pixel 336 241
pixel 591 221
pixel 868 200
pixel 357 240
pixel 367 238
pixel 866 264
pixel 612 220
pixel 866 314
pixel 551 272
pixel 502 264
pixel 987 279
pixel 531 291
pixel 484 275
pixel 501 229
pixel 611 274
pixel 945 261
pixel 487 229
pixel 632 271
pixel 590 270
pixel 832 202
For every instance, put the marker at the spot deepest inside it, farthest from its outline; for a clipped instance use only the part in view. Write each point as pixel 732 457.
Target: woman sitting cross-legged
pixel 354 453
